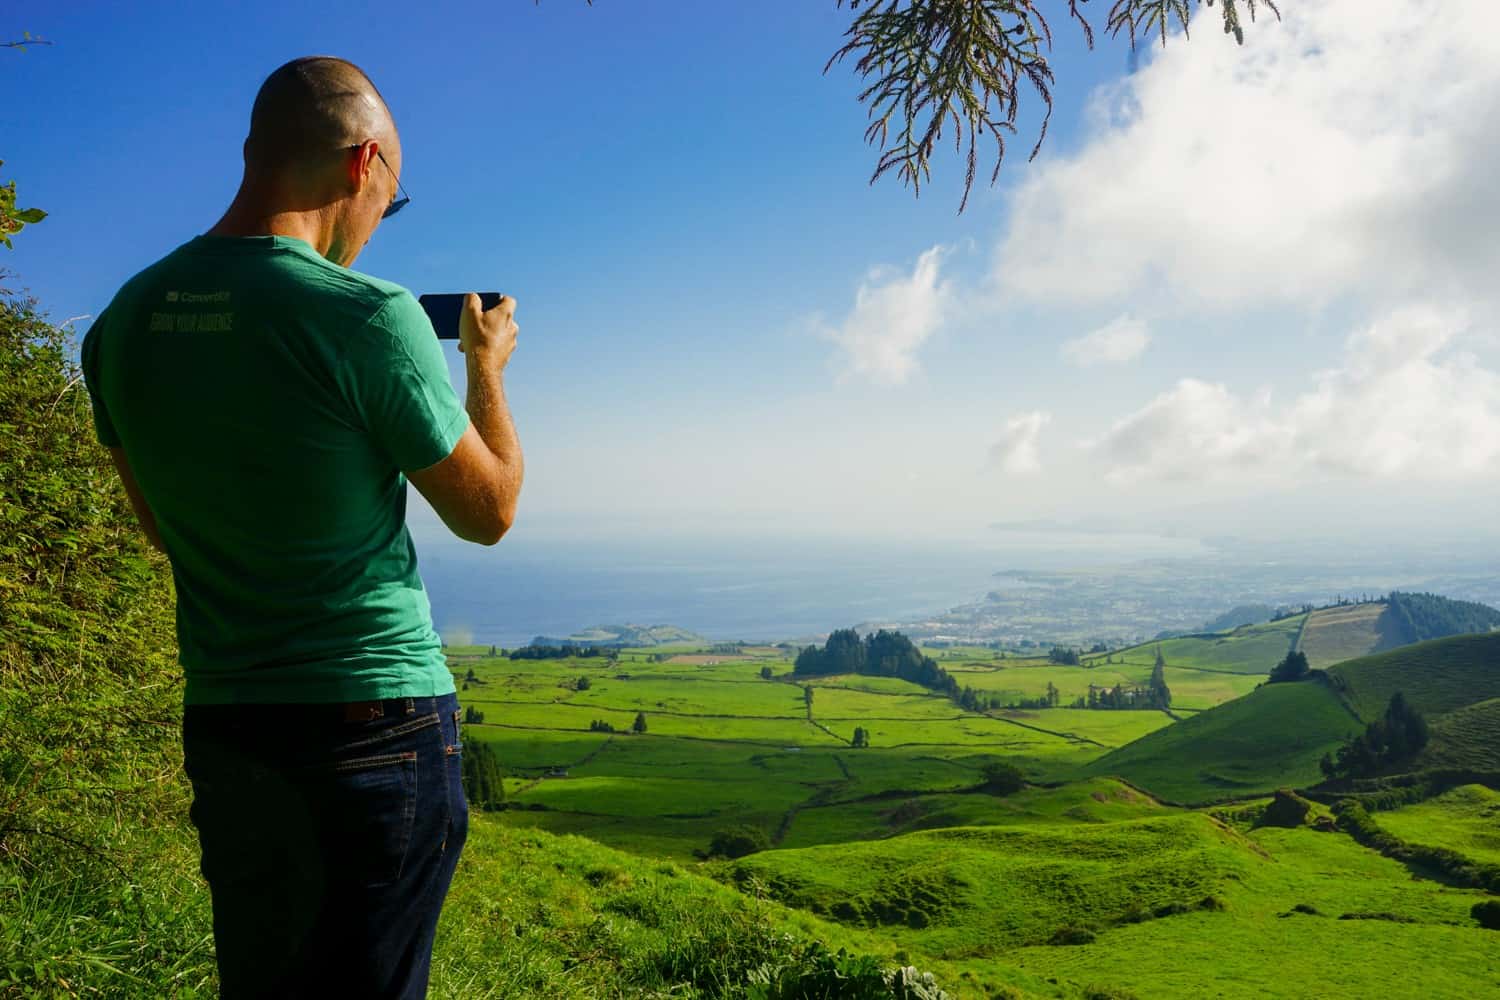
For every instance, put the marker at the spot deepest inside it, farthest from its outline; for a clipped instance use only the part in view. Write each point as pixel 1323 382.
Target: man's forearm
pixel 490 414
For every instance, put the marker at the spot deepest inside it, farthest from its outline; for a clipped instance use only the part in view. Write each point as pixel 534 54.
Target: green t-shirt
pixel 268 401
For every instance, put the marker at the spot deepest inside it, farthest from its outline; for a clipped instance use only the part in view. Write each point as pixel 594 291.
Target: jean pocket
pixel 365 808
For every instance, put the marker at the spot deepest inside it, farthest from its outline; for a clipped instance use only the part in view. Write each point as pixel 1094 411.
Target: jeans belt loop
pixel 411 706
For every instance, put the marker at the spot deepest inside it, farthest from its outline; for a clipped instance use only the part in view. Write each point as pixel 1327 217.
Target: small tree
pixel 1001 778
pixel 738 841
pixel 1292 668
pixel 861 738
pixel 473 716
pixel 765 672
pixel 584 683
pixel 639 725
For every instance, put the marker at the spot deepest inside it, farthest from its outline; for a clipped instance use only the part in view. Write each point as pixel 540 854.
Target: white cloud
pixel 1349 149
pixel 893 316
pixel 1016 450
pixel 1403 404
pixel 1122 339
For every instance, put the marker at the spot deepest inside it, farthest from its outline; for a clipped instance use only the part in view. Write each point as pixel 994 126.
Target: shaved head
pixel 312 107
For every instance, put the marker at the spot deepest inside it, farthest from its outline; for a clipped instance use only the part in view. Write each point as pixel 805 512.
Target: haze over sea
pixel 755 590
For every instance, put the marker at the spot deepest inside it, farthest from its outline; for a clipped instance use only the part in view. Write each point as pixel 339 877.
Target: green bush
pixel 738 841
pixel 98 866
pixel 1487 913
pixel 1072 935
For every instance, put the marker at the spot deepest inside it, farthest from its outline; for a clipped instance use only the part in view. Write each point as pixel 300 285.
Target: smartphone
pixel 444 310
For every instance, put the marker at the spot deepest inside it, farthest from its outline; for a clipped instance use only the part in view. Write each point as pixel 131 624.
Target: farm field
pixel 1333 635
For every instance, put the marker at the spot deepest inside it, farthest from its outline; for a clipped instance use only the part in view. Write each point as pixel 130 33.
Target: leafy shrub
pixel 1286 809
pixel 1001 778
pixel 1487 913
pixel 1072 935
pixel 738 841
pixel 1213 904
pixel 1308 909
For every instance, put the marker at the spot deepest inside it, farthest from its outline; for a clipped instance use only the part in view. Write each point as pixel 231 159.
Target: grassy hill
pixel 1276 734
pixel 1437 676
pixel 1272 736
pixel 1466 739
pixel 966 891
pixel 1465 819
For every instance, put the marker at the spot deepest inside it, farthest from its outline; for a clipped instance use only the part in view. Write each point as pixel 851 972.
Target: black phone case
pixel 444 309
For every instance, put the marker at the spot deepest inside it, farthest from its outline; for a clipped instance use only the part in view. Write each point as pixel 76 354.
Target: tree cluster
pixel 473 716
pixel 880 654
pixel 484 784
pixel 600 726
pixel 1064 655
pixel 1394 738
pixel 1293 667
pixel 1419 617
pixel 861 737
pixel 563 652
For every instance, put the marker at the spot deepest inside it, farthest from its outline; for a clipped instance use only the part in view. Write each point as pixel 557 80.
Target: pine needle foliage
pixel 964 65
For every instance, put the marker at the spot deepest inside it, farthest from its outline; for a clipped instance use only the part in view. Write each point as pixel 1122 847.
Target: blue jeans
pixel 329 836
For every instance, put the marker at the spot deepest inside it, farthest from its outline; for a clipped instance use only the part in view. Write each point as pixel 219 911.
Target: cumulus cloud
pixel 894 314
pixel 1348 149
pixel 1016 451
pixel 1403 403
pixel 1122 339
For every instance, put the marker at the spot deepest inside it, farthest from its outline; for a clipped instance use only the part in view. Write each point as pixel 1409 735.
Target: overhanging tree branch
pixel 964 64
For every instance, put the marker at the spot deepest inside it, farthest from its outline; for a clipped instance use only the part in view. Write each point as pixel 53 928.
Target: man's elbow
pixel 497 528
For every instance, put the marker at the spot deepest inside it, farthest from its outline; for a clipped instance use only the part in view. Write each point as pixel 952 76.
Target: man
pixel 265 407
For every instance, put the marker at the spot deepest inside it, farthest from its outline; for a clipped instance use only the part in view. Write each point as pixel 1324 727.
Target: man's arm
pixel 476 488
pixel 138 503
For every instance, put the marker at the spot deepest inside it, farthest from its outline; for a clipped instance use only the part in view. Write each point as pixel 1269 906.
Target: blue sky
pixel 677 195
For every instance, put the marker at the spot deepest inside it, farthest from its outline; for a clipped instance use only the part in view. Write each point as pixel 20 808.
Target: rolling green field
pixel 1437 677
pixel 1466 819
pixel 1272 737
pixel 897 849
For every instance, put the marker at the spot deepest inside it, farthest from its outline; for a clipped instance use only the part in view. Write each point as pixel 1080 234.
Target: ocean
pixel 511 593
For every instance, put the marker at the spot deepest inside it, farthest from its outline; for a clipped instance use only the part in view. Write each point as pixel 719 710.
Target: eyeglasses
pixel 400 202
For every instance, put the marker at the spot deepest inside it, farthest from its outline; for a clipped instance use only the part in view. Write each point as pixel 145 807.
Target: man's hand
pixel 490 334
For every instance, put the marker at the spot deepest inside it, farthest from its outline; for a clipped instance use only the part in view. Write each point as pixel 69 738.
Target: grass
pixel 1465 739
pixel 1272 737
pixel 1465 819
pixel 1253 649
pixel 1437 676
pixel 1259 947
pixel 975 891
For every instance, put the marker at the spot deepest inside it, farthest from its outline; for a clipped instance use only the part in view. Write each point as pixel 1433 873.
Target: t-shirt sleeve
pixel 88 356
pixel 401 382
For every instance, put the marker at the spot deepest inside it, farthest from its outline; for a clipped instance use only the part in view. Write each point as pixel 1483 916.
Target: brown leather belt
pixel 363 711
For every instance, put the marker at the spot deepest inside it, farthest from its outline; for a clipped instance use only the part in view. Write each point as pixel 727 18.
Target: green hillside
pixel 1252 649
pixel 965 891
pixel 1437 676
pixel 1467 739
pixel 1271 737
pixel 1466 819
pixel 1276 734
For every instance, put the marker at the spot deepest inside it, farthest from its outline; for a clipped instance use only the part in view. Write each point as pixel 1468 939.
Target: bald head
pixel 312 107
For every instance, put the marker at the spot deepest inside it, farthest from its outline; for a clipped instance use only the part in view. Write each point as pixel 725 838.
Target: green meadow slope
pixel 1275 735
pixel 1271 737
pixel 1438 676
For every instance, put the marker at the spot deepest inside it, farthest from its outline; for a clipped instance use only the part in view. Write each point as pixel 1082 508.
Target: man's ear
pixel 361 165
